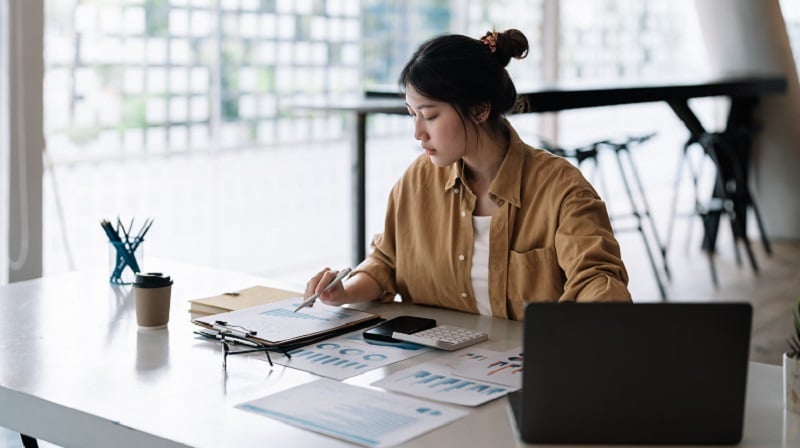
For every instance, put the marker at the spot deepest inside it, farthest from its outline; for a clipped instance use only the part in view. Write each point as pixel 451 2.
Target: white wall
pixel 22 140
pixel 745 36
pixel 3 138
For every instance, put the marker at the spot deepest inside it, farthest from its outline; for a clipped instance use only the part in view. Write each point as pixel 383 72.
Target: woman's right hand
pixel 335 296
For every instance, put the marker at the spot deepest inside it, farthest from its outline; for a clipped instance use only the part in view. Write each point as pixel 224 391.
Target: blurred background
pixel 181 111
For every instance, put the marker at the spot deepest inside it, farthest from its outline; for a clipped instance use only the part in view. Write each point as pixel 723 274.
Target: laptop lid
pixel 644 373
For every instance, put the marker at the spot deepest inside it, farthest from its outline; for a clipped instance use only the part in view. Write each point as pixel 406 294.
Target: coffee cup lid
pixel 152 280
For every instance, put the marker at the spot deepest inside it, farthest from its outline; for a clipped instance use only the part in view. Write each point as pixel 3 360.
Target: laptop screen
pixel 647 373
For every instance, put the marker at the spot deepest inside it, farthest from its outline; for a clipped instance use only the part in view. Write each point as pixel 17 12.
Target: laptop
pixel 642 373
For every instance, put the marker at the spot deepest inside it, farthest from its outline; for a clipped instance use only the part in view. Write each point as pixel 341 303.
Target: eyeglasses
pixel 229 340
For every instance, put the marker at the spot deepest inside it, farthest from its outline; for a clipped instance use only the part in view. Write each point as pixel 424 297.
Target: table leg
pixel 359 181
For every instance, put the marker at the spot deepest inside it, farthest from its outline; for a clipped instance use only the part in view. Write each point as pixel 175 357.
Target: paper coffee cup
pixel 151 293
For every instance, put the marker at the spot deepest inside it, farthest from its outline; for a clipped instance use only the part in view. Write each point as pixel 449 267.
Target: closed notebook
pixel 245 298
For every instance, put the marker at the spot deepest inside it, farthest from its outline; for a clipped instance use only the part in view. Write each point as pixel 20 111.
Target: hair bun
pixel 511 43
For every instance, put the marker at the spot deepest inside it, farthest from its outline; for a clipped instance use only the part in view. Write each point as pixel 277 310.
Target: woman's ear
pixel 481 112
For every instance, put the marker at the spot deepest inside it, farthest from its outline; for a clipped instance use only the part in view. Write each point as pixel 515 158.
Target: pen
pixel 338 279
pixel 123 250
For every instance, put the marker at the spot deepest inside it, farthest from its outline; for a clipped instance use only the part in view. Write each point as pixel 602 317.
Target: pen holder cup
pixel 124 263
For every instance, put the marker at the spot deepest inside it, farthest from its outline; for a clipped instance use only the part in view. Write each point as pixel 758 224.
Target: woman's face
pixel 438 127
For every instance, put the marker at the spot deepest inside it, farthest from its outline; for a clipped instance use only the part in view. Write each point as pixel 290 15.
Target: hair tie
pixel 490 40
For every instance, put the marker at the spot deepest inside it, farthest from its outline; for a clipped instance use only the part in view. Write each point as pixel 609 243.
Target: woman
pixel 482 222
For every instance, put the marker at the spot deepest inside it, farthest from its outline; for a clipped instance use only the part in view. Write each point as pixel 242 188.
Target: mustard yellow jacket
pixel 550 239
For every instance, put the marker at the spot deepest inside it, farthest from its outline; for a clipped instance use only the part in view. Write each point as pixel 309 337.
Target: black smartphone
pixel 402 324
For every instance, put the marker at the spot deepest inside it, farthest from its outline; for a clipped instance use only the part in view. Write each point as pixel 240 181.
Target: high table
pixel 744 93
pixel 75 370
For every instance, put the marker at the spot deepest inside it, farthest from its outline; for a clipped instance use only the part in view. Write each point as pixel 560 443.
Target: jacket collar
pixel 507 185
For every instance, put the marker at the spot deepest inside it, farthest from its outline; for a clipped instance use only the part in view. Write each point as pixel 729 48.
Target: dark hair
pixel 466 72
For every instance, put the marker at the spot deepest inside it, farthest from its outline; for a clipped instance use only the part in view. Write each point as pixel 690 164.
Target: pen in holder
pixel 125 251
pixel 124 261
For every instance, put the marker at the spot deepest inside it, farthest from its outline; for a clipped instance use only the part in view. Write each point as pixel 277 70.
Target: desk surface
pixel 77 371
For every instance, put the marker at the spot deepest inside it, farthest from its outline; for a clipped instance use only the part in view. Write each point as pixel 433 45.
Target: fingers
pixel 335 295
pixel 316 280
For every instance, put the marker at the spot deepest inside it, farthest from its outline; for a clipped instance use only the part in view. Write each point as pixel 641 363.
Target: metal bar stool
pixel 731 197
pixel 703 210
pixel 634 190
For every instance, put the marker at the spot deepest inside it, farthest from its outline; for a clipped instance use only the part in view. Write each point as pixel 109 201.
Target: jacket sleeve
pixel 587 251
pixel 380 264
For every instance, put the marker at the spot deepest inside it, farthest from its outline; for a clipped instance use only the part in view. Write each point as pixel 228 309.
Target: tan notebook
pixel 245 298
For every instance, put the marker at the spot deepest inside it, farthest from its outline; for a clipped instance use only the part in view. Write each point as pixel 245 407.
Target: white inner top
pixel 480 263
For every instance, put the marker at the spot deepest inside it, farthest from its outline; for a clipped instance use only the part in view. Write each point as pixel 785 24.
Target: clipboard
pixel 277 325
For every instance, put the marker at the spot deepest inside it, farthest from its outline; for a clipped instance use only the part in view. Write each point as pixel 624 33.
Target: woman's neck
pixel 483 162
pixel 481 166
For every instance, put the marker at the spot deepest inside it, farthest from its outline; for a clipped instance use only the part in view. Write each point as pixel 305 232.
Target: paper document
pixel 348 355
pixel 276 323
pixel 468 377
pixel 356 414
pixel 488 365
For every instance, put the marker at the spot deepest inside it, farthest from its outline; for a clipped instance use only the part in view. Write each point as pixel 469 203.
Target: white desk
pixel 76 371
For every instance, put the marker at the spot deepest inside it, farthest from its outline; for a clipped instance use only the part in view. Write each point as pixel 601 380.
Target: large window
pixel 177 109
pixel 170 75
pixel 629 39
pixel 394 29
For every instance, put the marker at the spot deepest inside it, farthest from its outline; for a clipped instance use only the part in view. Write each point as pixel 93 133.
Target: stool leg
pixel 707 247
pixel 736 229
pixel 28 441
pixel 736 214
pixel 638 216
pixel 761 228
pixel 638 181
pixel 674 205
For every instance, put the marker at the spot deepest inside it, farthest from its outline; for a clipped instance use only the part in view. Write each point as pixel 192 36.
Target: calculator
pixel 445 337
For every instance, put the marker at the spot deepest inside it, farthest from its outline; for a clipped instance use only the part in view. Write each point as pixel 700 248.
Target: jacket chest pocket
pixel 534 276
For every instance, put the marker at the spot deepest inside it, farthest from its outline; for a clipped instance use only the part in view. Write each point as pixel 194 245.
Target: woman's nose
pixel 419 132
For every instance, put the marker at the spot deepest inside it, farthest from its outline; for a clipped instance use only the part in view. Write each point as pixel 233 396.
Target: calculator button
pixel 446 337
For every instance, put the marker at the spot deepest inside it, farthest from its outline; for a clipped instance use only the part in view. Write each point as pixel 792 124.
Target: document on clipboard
pixel 276 324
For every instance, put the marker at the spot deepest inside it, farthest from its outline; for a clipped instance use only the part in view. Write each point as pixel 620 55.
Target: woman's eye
pixel 431 118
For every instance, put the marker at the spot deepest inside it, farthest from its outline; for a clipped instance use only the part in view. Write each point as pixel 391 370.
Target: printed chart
pixel 436 382
pixel 488 365
pixel 356 414
pixel 469 377
pixel 349 355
